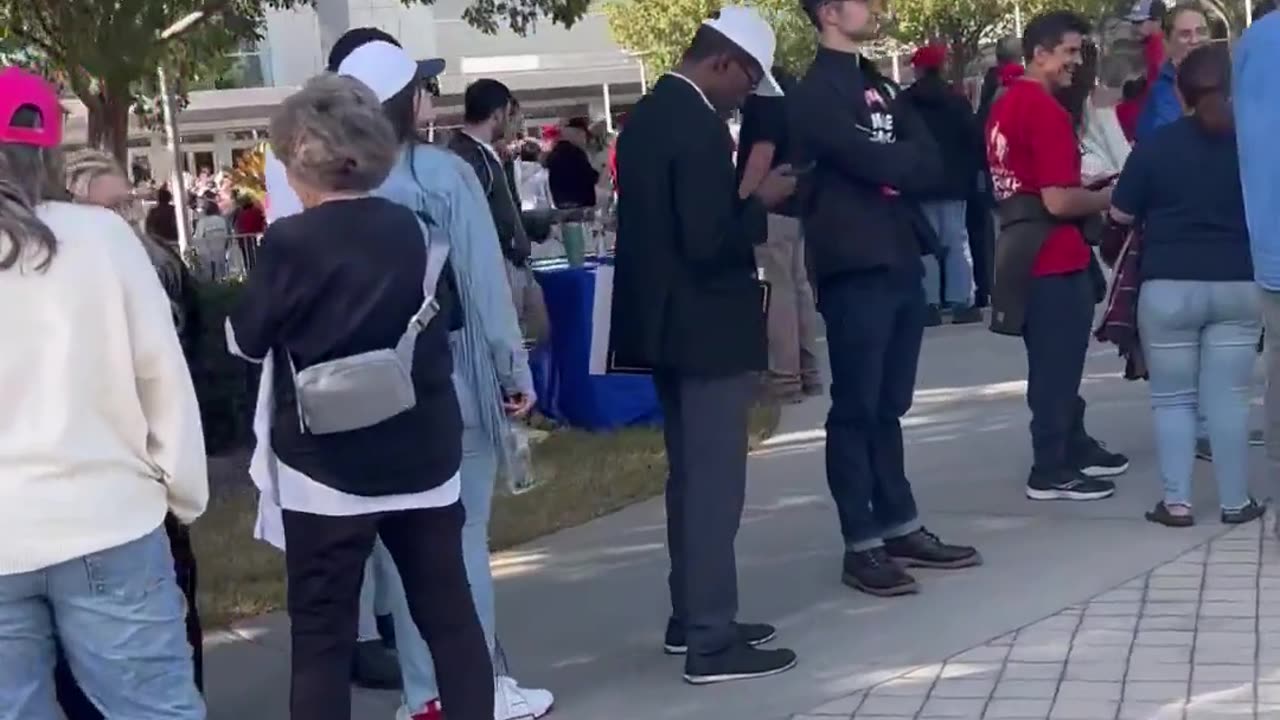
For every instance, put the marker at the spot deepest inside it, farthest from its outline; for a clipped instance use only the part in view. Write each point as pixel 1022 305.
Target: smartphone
pixel 1102 182
pixel 803 168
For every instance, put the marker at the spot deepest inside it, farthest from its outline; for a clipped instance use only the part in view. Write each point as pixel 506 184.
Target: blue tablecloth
pixel 567 391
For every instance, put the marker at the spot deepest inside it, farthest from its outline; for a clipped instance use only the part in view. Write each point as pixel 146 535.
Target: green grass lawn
pixel 583 476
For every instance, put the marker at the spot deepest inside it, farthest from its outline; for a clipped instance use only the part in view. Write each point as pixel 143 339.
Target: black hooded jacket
pixel 871 154
pixel 954 128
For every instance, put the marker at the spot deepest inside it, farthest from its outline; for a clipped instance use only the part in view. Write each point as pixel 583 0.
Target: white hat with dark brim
pixel 748 30
pixel 385 68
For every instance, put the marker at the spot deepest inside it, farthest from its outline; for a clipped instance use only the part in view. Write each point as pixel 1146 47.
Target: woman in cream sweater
pixel 99 440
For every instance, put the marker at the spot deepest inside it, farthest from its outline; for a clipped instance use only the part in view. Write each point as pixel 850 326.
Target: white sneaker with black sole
pixel 1068 485
pixel 739 661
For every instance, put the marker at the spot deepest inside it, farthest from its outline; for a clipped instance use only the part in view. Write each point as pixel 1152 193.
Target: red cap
pixel 20 89
pixel 929 57
pixel 1010 72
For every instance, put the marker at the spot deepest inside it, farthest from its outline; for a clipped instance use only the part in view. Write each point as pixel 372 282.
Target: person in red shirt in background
pixel 1043 290
pixel 1147 17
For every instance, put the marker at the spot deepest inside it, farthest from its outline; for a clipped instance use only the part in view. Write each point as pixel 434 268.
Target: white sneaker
pixel 512 702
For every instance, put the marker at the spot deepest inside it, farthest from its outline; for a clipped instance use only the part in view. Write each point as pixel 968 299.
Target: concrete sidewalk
pixel 582 611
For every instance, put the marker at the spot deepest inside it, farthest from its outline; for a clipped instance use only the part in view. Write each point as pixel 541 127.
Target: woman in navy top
pixel 1198 312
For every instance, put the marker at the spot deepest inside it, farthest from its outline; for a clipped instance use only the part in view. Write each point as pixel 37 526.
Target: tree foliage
pixel 963 25
pixel 660 30
pixel 106 51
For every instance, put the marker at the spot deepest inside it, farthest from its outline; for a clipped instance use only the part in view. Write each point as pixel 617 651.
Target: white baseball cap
pixel 746 29
pixel 385 68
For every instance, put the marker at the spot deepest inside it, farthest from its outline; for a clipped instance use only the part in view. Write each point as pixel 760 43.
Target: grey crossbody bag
pixel 359 391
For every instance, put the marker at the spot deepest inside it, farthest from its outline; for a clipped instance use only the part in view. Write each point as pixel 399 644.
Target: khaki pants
pixel 531 308
pixel 793 320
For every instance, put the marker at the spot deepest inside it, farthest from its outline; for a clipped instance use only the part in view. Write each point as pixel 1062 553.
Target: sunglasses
pixel 432 86
pixel 753 78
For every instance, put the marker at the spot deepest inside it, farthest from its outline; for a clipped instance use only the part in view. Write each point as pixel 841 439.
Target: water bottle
pixel 520 477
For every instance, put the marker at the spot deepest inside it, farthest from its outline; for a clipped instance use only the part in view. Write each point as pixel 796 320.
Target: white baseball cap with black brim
pixel 744 27
pixel 387 69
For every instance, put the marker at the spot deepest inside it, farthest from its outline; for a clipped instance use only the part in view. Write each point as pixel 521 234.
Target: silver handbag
pixel 359 391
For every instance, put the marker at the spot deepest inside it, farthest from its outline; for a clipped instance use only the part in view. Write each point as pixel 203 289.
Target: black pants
pixel 705 431
pixel 325 559
pixel 74 703
pixel 875 325
pixel 1056 334
pixel 982 232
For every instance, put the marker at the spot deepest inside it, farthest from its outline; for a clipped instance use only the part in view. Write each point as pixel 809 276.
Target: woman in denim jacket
pixel 491 376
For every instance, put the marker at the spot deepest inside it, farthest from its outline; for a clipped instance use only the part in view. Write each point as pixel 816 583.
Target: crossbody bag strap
pixel 437 254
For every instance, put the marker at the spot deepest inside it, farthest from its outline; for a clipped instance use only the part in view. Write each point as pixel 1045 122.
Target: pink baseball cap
pixel 20 89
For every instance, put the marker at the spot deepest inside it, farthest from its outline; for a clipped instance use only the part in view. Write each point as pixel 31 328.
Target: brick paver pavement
pixel 1194 639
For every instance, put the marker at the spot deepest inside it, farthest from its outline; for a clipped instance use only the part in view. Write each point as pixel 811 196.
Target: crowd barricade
pixel 246 246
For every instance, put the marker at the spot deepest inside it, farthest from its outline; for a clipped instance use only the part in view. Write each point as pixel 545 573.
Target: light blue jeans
pixel 479 475
pixel 1201 339
pixel 121 620
pixel 948 218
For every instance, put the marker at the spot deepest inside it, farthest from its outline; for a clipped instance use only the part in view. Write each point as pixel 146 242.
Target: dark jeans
pixel 325 560
pixel 705 431
pixel 74 703
pixel 982 246
pixel 1058 322
pixel 875 324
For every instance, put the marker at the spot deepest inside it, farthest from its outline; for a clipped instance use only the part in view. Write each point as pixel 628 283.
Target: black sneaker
pixel 967 315
pixel 738 662
pixel 875 573
pixel 375 667
pixel 923 549
pixel 752 634
pixel 1095 461
pixel 1204 451
pixel 1067 485
pixel 932 316
pixel 1246 514
pixel 1257 439
pixel 386 630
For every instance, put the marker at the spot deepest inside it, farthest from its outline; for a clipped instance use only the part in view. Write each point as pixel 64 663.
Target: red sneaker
pixel 431 711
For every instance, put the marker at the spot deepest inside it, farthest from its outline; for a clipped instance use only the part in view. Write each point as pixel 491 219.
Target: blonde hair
pixel 82 168
pixel 334 136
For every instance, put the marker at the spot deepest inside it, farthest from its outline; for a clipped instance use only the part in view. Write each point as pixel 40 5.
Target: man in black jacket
pixel 687 305
pixel 570 175
pixel 490 113
pixel 865 242
pixel 948 279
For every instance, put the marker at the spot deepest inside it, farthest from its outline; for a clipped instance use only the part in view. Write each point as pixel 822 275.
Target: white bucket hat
pixel 748 30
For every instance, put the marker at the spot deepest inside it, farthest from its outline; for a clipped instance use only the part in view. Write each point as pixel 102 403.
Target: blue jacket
pixel 1256 96
pixel 488 351
pixel 1163 105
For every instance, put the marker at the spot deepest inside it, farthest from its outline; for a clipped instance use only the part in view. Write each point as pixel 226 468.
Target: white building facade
pixel 556 73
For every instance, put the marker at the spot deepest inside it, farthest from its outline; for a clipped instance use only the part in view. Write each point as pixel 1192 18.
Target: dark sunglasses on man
pixel 429 75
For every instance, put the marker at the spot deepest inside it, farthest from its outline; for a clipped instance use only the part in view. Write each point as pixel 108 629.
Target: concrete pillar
pixel 334 18
pixel 608 109
pixel 221 149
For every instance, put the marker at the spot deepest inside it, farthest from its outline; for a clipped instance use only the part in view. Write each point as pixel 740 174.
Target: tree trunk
pixel 961 55
pixel 109 122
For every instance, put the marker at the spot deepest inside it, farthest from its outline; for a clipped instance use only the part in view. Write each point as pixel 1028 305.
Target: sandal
pixel 1160 514
pixel 1250 512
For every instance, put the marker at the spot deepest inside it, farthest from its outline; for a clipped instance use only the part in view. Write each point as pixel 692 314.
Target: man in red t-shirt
pixel 1043 288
